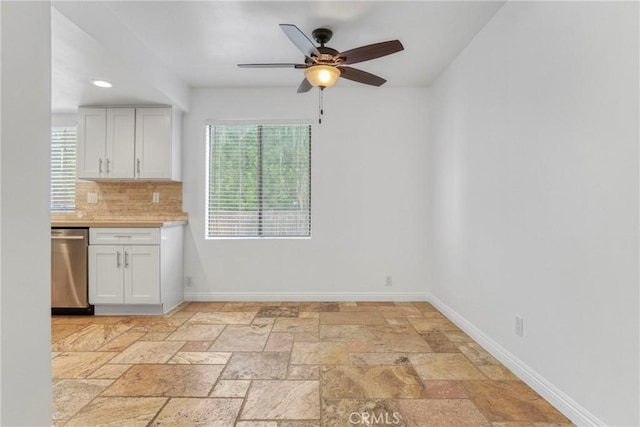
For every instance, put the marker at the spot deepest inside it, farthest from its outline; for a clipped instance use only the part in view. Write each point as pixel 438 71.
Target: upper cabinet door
pixel 120 143
pixel 153 143
pixel 91 160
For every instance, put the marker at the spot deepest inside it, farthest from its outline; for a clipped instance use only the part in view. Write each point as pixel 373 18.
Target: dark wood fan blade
pixel 360 76
pixel 301 41
pixel 305 86
pixel 372 51
pixel 274 65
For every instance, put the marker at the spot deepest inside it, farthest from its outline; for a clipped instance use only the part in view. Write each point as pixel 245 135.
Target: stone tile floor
pixel 284 365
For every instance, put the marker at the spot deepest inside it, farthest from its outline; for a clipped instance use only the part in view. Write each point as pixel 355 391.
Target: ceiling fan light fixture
pixel 322 76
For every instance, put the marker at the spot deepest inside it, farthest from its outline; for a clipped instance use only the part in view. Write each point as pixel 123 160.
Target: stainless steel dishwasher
pixel 69 278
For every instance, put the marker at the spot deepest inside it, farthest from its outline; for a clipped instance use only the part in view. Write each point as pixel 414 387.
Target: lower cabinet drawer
pixel 124 236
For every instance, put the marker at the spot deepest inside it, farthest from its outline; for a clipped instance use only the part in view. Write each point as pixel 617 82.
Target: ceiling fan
pixel 323 65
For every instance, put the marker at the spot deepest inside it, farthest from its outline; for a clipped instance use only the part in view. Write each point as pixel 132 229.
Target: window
pixel 259 181
pixel 63 168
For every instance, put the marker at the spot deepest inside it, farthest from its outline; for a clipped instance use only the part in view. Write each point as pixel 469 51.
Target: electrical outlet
pixel 388 281
pixel 519 326
pixel 188 282
pixel 92 198
pixel 156 197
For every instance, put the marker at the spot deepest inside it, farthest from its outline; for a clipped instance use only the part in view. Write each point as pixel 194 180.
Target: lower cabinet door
pixel 105 274
pixel 141 274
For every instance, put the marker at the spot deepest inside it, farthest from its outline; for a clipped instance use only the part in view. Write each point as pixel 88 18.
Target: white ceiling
pixel 154 51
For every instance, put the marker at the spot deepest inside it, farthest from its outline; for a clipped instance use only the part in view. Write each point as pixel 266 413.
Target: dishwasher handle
pixel 67 237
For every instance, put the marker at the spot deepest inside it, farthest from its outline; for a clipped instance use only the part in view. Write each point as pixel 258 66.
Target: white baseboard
pixel 570 408
pixel 305 296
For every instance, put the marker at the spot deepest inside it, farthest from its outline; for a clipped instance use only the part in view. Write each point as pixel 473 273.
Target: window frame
pixel 207 160
pixel 64 125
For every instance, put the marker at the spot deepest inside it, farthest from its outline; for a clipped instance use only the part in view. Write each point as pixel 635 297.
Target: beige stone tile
pixel 251 366
pixel 299 424
pixel 242 338
pixel 121 342
pixel 282 400
pixel 203 306
pixel 438 324
pixel 477 355
pixel 231 388
pixel 360 347
pixel 530 424
pixel 503 401
pixel 303 372
pixel 353 382
pixel 309 315
pixel 341 318
pixel 379 359
pixel 279 341
pixel 392 342
pixel 347 333
pixel 118 411
pixel 439 342
pixel 292 324
pixel 263 321
pixel 148 352
pixel 256 424
pixel 319 353
pixel 306 336
pixel 400 311
pixel 166 380
pixel 63 330
pixel 109 371
pixel 223 318
pixel 90 338
pixel 154 336
pixel 196 332
pixel 78 364
pixel 69 396
pixel 320 307
pixel 203 412
pixel 497 372
pixel 441 413
pixel 443 389
pixel 458 337
pixel 200 358
pixel 196 346
pixel 444 366
pixel 362 412
pixel 280 311
pixel 392 320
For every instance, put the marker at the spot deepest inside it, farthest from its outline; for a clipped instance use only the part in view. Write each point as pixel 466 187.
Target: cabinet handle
pixel 100 166
pixel 138 166
pixel 108 161
pixel 126 259
pixel 118 260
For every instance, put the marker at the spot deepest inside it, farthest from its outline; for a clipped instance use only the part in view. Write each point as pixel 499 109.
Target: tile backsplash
pixel 129 199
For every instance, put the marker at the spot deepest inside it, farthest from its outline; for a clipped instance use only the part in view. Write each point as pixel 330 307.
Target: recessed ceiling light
pixel 101 83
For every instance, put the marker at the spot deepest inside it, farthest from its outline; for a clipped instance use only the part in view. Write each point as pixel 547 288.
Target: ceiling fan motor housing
pixel 322 35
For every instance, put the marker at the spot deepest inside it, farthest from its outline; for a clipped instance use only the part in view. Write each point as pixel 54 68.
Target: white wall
pixel 534 177
pixel 368 199
pixel 25 251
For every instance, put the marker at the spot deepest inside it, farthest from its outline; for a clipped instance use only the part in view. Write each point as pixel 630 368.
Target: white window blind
pixel 259 181
pixel 63 168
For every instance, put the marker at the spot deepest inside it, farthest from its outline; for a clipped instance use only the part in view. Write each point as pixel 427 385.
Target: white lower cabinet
pixel 135 270
pixel 124 274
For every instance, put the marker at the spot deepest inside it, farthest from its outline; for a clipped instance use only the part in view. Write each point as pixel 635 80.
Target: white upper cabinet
pixel 120 142
pixel 128 143
pixel 153 143
pixel 92 140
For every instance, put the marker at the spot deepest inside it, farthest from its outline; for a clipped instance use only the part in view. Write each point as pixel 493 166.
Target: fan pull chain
pixel 320 101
